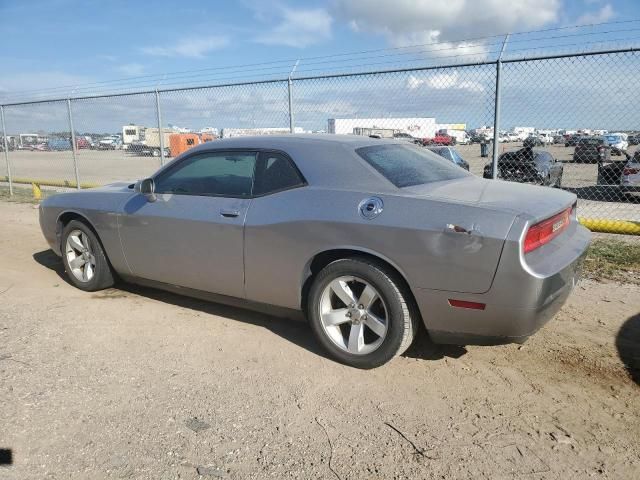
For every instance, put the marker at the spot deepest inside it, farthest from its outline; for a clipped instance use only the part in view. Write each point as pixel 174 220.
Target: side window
pixel 224 174
pixel 275 172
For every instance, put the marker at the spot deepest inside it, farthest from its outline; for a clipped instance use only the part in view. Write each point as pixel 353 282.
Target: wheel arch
pixel 67 216
pixel 324 257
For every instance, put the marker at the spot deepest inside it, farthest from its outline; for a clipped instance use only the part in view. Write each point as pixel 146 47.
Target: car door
pixel 192 234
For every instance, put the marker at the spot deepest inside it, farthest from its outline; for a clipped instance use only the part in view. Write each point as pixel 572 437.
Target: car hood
pixel 511 197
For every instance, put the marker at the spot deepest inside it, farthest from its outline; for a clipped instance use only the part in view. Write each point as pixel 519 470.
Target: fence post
pixel 290 87
pixel 6 151
pixel 160 132
pixel 496 112
pixel 73 144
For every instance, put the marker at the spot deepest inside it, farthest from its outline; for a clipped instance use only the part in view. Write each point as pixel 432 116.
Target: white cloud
pixel 443 81
pixel 299 28
pixel 604 14
pixel 131 69
pixel 419 22
pixel 197 47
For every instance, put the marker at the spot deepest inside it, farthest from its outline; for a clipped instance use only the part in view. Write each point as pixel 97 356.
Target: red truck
pixel 440 139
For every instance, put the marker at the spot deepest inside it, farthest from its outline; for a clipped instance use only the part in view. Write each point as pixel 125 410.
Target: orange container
pixel 181 142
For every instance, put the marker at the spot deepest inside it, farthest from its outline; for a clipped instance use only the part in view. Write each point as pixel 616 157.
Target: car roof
pixel 325 160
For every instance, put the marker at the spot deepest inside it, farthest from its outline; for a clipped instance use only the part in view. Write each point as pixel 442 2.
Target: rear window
pixel 408 165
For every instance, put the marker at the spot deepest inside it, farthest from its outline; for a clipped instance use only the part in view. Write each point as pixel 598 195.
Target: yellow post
pixel 37 193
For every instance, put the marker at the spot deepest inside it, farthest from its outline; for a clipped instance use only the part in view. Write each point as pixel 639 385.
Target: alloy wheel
pixel 353 315
pixel 80 256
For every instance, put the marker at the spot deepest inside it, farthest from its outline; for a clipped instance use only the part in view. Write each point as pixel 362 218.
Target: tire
pixel 401 318
pixel 155 153
pixel 101 274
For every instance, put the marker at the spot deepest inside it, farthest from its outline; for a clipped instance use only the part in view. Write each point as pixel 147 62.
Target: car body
pixel 630 178
pixel 450 154
pixel 58 144
pixel 441 139
pixel 592 149
pixel 528 165
pixel 618 142
pixel 546 138
pixel 533 141
pixel 477 261
pixel 634 139
pixel 405 136
pixel 572 140
pixel 82 142
pixel 558 139
pixel 476 138
pixel 110 143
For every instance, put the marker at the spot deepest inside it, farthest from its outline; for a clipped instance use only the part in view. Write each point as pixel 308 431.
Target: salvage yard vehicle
pixel 592 150
pixel 528 165
pixel 450 154
pixel 368 237
pixel 618 143
pixel 630 179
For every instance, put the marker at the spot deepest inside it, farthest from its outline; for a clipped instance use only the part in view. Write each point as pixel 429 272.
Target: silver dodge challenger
pixel 366 237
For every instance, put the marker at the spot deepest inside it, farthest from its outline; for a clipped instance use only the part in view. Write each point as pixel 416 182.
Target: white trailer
pixel 132 133
pixel 417 127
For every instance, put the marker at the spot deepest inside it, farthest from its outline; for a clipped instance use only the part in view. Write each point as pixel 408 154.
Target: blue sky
pixel 61 48
pixel 67 42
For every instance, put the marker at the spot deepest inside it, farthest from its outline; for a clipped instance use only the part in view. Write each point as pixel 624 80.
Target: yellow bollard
pixel 37 193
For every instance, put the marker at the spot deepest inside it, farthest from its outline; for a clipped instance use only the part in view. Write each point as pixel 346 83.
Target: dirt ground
pixel 137 383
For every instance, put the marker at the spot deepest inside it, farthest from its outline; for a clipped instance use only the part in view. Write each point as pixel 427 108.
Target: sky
pixel 75 44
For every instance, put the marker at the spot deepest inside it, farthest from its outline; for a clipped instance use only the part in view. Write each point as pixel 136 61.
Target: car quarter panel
pixel 284 231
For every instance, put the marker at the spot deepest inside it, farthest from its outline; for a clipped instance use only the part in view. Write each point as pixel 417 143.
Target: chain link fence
pixel 566 121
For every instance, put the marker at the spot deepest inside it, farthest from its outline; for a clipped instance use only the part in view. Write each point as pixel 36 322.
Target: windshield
pixel 408 165
pixel 613 138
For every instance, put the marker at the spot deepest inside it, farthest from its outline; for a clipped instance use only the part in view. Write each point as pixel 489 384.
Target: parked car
pixel 546 138
pixel 528 165
pixel 610 171
pixel 532 141
pixel 82 142
pixel 441 140
pixel 368 237
pixel 513 137
pixel 406 137
pixel 450 154
pixel 634 139
pixel 475 138
pixel 592 150
pixel 572 140
pixel 630 179
pixel 617 142
pixel 110 143
pixel 58 144
pixel 558 139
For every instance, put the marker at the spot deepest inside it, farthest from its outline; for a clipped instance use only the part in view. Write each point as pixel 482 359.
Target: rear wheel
pixel 85 262
pixel 361 312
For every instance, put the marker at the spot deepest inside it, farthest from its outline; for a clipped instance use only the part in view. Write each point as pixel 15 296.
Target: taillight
pixel 630 171
pixel 546 230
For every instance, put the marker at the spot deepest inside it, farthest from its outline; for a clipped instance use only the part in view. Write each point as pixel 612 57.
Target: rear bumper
pixel 524 296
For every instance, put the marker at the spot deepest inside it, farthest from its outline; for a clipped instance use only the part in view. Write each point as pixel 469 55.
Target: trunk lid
pixel 515 198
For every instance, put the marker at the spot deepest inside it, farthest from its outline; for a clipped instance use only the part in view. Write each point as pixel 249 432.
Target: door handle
pixel 229 213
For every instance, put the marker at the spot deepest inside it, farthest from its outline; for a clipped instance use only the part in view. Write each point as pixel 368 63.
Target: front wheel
pixel 85 262
pixel 361 312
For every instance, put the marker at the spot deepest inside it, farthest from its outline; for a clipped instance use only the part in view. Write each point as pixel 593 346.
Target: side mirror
pixel 147 188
